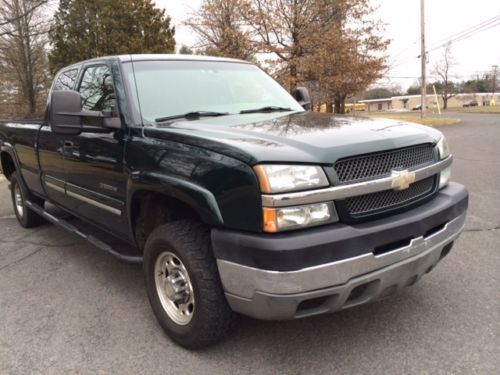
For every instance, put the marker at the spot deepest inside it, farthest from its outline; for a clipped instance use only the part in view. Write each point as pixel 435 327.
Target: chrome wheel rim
pixel 174 288
pixel 18 200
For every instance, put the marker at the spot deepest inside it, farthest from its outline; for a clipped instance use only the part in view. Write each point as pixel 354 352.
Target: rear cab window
pixel 66 80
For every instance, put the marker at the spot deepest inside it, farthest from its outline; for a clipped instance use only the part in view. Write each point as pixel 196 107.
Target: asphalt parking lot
pixel 66 307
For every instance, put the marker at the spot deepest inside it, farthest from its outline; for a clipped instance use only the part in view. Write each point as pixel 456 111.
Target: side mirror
pixel 301 95
pixel 63 106
pixel 65 115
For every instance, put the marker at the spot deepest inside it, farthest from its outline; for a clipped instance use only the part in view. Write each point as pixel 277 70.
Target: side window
pixel 66 80
pixel 96 89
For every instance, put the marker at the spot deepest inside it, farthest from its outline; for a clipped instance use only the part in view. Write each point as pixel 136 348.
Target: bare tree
pixel 283 28
pixel 442 68
pixel 23 40
pixel 219 26
pixel 6 19
pixel 332 46
pixel 347 61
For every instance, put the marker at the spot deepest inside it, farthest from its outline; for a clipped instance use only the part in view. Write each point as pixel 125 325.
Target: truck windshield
pixel 163 88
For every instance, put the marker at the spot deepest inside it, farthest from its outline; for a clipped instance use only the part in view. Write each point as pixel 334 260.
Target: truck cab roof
pixel 156 57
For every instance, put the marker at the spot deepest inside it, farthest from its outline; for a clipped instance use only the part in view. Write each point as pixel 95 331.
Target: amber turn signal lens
pixel 269 218
pixel 262 177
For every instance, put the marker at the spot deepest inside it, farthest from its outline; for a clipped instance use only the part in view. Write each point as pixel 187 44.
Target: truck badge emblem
pixel 402 180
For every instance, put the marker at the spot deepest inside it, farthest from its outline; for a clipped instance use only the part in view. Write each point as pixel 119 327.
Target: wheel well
pixel 152 209
pixel 8 166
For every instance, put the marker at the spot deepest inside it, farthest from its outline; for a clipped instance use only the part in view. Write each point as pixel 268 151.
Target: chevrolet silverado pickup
pixel 233 195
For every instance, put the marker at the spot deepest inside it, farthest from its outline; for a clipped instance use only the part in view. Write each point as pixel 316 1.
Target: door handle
pixel 70 149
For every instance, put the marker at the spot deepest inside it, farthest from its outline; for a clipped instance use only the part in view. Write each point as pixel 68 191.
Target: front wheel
pixel 183 284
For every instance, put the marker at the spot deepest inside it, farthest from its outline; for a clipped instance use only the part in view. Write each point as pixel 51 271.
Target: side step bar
pixel 93 240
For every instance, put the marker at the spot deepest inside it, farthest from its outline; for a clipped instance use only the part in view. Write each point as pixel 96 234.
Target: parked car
pixel 470 103
pixel 234 196
pixel 418 107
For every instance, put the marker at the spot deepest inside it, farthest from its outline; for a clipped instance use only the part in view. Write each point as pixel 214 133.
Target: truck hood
pixel 305 137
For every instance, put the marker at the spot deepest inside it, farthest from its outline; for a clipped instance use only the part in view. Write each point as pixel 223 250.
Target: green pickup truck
pixel 234 196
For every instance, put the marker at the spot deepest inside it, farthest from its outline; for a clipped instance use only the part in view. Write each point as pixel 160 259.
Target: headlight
pixel 444 152
pixel 284 178
pixel 286 218
pixel 443 148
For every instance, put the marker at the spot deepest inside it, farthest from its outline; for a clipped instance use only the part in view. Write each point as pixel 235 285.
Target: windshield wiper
pixel 192 115
pixel 267 109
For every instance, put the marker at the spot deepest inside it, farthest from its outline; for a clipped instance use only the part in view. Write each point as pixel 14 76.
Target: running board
pixel 91 239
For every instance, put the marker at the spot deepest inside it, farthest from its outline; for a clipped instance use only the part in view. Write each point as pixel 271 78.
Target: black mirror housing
pixel 62 106
pixel 301 95
pixel 66 114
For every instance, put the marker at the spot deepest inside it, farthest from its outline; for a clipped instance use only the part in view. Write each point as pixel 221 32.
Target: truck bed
pixel 19 139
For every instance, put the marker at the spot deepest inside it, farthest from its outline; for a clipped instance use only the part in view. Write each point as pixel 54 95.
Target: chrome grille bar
pixel 347 191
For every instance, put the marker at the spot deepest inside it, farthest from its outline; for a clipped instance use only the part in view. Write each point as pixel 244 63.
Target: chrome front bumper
pixel 266 294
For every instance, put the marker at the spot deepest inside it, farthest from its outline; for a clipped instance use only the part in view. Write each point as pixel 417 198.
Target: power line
pixel 467 33
pixel 455 35
pixel 412 45
pixel 461 76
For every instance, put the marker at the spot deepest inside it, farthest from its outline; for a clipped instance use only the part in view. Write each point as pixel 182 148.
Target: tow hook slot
pixel 387 248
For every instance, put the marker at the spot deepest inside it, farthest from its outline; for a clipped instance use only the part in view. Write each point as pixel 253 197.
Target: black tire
pixel 211 317
pixel 26 217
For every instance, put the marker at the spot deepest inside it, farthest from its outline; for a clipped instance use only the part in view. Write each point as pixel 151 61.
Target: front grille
pixel 382 200
pixel 380 164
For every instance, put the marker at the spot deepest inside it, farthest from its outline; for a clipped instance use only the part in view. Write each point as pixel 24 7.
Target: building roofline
pixel 401 97
pixel 375 100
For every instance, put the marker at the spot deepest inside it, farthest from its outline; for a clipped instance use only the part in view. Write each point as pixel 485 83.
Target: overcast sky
pixel 444 18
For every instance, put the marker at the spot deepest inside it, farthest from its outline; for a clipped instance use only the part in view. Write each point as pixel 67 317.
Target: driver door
pixel 95 178
pixel 50 147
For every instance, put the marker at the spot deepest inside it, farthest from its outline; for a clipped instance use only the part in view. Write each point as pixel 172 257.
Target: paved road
pixel 66 307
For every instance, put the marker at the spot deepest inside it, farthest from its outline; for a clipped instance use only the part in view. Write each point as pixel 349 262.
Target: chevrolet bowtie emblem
pixel 402 180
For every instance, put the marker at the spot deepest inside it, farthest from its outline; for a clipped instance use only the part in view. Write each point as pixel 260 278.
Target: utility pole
pixel 423 57
pixel 494 78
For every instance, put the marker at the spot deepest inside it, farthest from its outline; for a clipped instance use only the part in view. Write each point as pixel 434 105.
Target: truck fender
pixel 6 147
pixel 201 200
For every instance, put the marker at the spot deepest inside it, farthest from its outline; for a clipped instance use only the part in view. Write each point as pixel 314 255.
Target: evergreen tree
pixel 85 29
pixel 185 50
